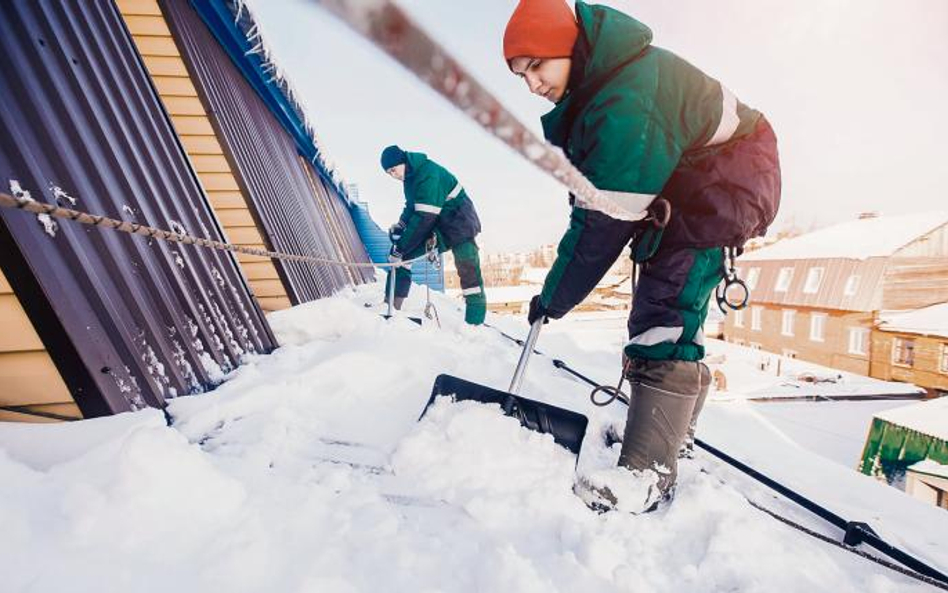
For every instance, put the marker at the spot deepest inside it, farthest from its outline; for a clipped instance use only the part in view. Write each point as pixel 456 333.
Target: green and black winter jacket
pixel 640 122
pixel 435 203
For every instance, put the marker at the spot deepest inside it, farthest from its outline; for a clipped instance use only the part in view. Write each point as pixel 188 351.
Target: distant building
pixel 913 347
pixel 928 481
pixel 910 443
pixel 818 296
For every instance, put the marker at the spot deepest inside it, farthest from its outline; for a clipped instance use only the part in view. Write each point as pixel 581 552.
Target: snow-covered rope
pixel 390 28
pixel 134 228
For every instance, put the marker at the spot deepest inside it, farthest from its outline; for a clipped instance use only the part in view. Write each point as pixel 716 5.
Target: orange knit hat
pixel 540 29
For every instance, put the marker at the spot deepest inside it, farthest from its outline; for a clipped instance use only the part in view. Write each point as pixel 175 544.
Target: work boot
pixel 664 394
pixel 617 489
pixel 687 450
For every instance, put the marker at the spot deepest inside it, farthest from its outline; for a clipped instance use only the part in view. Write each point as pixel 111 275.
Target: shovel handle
pixel 531 340
pixel 390 296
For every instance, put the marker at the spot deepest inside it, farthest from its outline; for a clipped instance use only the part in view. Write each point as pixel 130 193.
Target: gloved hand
pixel 537 310
pixel 395 231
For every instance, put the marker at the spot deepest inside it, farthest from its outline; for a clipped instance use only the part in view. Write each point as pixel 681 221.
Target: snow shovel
pixel 567 427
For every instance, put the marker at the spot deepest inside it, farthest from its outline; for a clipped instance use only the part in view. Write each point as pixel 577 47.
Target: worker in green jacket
pixel 686 173
pixel 436 209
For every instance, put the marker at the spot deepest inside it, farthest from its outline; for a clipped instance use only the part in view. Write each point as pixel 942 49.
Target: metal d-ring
pixel 721 294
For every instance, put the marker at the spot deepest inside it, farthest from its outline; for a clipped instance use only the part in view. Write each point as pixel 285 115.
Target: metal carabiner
pixel 721 294
pixel 723 290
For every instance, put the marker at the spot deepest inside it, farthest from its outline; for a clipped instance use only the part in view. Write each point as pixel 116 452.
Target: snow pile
pixel 308 471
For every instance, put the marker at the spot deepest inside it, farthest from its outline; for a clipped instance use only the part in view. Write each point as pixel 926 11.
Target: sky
pixel 855 89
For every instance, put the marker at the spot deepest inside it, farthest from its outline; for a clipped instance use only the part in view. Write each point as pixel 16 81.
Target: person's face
pixel 397 172
pixel 546 77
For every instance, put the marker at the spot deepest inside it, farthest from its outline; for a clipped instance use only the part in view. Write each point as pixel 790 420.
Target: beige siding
pixel 28 377
pixel 832 351
pixel 924 372
pixel 913 283
pixel 180 97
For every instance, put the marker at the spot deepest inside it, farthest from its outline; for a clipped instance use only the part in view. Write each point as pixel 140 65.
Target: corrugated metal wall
pixel 128 321
pixel 285 196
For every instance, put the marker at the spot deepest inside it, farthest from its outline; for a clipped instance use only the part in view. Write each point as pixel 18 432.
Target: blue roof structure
pixel 379 245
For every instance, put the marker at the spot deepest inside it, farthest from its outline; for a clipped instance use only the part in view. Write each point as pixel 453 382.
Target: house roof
pixel 929 321
pixel 929 467
pixel 855 239
pixel 928 417
pixel 531 275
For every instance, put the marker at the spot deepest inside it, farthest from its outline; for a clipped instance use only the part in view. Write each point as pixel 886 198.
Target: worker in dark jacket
pixel 436 209
pixel 684 170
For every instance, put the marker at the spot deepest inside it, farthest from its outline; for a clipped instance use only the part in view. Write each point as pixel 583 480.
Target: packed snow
pixel 308 470
pixel 855 239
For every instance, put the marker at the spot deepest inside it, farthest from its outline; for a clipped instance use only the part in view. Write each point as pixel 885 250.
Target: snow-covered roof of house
pixel 504 294
pixel 531 275
pixel 930 321
pixel 856 239
pixel 929 417
pixel 930 467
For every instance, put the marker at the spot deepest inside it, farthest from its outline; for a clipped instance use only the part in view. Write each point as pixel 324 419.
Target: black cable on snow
pixel 880 561
pixel 855 532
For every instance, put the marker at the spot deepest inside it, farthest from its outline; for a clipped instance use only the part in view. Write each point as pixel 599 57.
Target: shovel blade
pixel 567 427
pixel 417 320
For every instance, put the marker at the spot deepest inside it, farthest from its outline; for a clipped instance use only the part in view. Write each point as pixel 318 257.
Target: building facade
pixel 818 297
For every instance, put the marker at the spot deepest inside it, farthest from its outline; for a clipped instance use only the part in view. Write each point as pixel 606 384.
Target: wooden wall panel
pixel 178 93
pixel 28 377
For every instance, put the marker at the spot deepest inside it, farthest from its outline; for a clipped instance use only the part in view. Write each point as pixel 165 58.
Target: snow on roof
pixel 930 467
pixel 931 321
pixel 855 239
pixel 533 275
pixel 325 468
pixel 504 294
pixel 929 417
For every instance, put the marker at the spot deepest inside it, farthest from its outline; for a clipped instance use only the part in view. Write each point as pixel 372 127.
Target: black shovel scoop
pixel 567 427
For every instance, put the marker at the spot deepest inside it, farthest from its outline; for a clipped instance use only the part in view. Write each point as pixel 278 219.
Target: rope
pixel 392 30
pixel 134 228
pixel 613 393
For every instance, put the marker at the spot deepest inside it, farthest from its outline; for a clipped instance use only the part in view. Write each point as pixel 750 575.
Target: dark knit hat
pixel 392 156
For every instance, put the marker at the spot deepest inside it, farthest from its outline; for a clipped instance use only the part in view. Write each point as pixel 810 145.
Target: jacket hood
pixel 612 37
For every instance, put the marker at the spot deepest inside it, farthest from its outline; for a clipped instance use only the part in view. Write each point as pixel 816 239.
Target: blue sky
pixel 855 90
